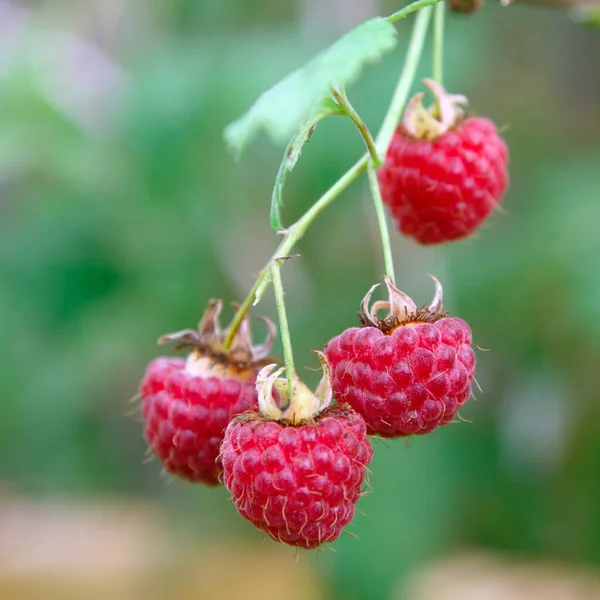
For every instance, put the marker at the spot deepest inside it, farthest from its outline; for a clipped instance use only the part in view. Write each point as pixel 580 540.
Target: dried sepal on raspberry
pixel 296 467
pixel 187 404
pixel 208 353
pixel 429 123
pixel 304 405
pixel 407 372
pixel 401 308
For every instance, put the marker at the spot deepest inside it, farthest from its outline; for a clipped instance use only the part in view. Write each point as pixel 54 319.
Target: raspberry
pixel 407 373
pixel 297 479
pixel 187 404
pixel 442 179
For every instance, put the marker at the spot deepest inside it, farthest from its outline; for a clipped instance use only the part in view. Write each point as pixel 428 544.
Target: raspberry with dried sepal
pixel 406 373
pixel 187 404
pixel 444 173
pixel 296 467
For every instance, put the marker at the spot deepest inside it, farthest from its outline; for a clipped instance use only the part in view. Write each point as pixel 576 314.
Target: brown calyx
pixel 210 358
pixel 402 310
pixel 429 123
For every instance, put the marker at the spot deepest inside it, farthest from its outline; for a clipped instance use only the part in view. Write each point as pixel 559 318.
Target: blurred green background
pixel 122 213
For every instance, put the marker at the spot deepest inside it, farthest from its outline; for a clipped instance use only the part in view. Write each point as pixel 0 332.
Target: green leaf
pixel 282 109
pixel 324 107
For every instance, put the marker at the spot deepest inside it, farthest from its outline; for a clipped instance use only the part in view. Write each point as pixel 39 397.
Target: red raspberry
pixel 187 404
pixel 408 373
pixel 442 179
pixel 297 479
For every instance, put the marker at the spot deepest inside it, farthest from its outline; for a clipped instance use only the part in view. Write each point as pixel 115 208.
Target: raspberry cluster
pixel 295 461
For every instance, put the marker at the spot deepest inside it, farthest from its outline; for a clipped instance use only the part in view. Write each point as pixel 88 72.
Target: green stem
pixel 284 330
pixel 295 232
pixel 411 8
pixel 415 49
pixel 243 309
pixel 298 229
pixel 349 111
pixel 438 42
pixel 383 228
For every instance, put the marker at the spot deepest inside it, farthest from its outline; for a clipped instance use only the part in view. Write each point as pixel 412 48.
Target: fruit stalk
pixel 411 8
pixel 382 222
pixel 350 112
pixel 292 235
pixel 296 231
pixel 438 42
pixel 284 330
pixel 413 54
pixel 374 162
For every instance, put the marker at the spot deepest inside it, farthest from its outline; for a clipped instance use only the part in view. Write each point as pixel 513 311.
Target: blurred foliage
pixel 122 214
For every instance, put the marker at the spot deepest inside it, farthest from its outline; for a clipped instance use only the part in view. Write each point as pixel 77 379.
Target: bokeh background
pixel 122 213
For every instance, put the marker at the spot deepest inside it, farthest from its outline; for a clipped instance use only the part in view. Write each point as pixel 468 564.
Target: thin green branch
pixel 243 309
pixel 294 233
pixel 411 8
pixel 438 42
pixel 382 222
pixel 413 55
pixel 298 229
pixel 349 111
pixel 284 330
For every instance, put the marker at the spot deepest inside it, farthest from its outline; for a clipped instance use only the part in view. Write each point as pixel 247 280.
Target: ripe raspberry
pixel 293 474
pixel 407 373
pixel 442 178
pixel 187 404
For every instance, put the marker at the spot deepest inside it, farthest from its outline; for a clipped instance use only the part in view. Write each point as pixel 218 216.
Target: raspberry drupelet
pixel 187 404
pixel 407 373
